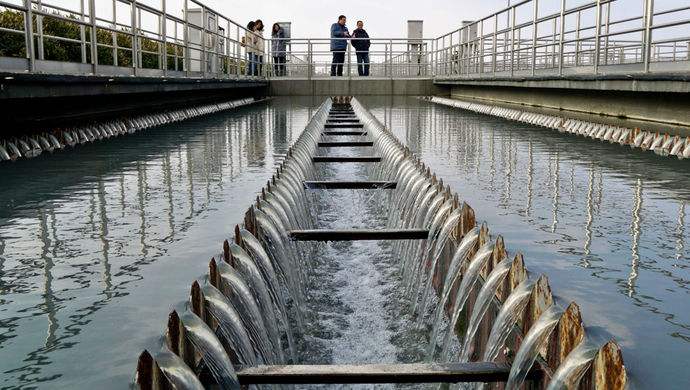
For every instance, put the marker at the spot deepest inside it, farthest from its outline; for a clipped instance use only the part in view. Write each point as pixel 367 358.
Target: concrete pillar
pixel 416 53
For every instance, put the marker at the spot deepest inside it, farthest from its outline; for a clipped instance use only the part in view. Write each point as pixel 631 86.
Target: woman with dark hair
pixel 249 44
pixel 260 46
pixel 278 45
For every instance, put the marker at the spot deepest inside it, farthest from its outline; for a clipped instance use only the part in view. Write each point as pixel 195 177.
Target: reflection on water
pixel 97 243
pixel 607 224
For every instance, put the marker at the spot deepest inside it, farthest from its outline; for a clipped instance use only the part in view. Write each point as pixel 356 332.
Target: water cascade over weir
pixel 490 321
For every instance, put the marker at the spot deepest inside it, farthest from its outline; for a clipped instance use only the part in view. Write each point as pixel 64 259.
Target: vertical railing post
pixel 29 35
pixel 390 56
pixel 437 69
pixel 495 46
pixel 606 31
pixel 560 40
pixel 647 44
pixel 238 52
pixel 163 29
pixel 94 37
pixel 553 46
pixel 348 52
pixel 135 38
pixel 310 58
pixel 512 41
pixel 203 63
pixel 185 39
pixel 140 56
pixel 39 30
pixel 452 63
pixel 481 47
pixel 114 34
pixel 228 50
pixel 597 37
pixel 82 30
pixel 577 39
pixel 534 36
pixel 177 60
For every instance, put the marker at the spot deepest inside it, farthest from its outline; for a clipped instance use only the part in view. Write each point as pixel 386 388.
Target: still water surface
pixel 607 224
pixel 97 244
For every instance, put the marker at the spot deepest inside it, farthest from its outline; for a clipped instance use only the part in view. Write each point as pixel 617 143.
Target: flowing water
pixel 607 225
pixel 98 246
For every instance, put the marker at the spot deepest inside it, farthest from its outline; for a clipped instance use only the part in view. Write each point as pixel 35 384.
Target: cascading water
pixel 211 350
pixel 484 299
pixel 466 285
pixel 265 337
pixel 262 259
pixel 459 258
pixel 266 281
pixel 533 342
pixel 266 298
pixel 511 310
pixel 176 371
pixel 571 370
pixel 230 325
pixel 444 235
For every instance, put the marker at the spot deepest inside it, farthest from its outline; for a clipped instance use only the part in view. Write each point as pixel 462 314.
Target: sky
pixel 383 19
pixel 388 18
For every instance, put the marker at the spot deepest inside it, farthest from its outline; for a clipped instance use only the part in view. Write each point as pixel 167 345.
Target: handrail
pixel 202 43
pixel 499 45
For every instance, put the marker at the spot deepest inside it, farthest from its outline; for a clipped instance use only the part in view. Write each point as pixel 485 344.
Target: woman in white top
pixel 260 46
pixel 248 41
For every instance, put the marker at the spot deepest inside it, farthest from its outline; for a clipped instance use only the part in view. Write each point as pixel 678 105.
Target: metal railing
pixel 131 39
pixel 534 37
pixel 313 58
pixel 529 38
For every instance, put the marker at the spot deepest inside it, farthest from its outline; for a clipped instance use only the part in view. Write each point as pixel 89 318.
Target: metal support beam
pixel 330 159
pixel 344 126
pixel 345 144
pixel 358 235
pixel 350 185
pixel 345 133
pixel 378 373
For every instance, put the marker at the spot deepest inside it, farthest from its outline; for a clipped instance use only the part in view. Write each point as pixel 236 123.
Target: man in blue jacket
pixel 339 35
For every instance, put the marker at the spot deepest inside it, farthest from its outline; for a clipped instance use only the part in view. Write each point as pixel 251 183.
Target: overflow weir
pixel 490 321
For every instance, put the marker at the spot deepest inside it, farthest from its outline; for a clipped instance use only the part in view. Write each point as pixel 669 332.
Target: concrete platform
pixel 36 101
pixel 356 86
pixel 656 102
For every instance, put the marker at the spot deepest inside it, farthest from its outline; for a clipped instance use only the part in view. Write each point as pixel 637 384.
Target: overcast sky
pixel 383 18
pixel 388 18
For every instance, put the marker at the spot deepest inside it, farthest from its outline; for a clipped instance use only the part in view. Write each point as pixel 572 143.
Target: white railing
pixel 313 58
pixel 529 38
pixel 543 37
pixel 132 39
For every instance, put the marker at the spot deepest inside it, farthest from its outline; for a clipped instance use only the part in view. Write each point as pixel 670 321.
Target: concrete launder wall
pixel 656 111
pixel 353 87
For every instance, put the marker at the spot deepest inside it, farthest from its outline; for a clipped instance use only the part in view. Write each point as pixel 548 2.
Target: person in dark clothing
pixel 339 35
pixel 361 45
pixel 278 45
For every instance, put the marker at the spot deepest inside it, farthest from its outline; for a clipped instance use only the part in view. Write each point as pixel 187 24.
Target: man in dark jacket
pixel 361 44
pixel 339 35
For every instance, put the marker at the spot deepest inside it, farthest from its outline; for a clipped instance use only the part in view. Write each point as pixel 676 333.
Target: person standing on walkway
pixel 248 43
pixel 361 44
pixel 260 46
pixel 339 35
pixel 278 46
